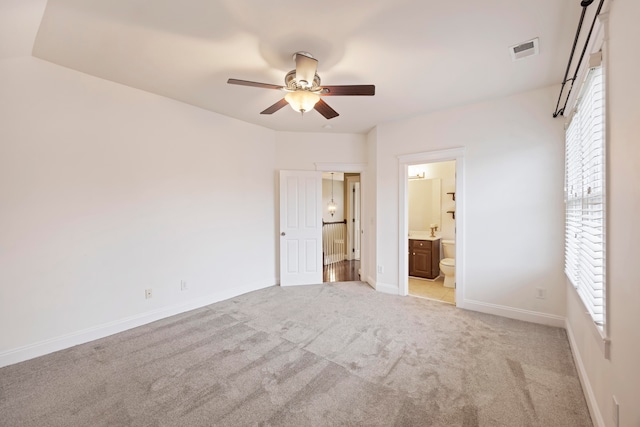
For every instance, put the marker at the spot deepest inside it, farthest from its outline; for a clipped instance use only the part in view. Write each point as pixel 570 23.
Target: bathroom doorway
pixel 430 214
pixel 421 234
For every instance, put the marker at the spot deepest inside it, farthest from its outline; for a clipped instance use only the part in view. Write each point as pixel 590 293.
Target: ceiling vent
pixel 522 50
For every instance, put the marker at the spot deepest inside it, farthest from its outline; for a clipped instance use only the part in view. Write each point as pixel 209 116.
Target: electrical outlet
pixel 541 293
pixel 380 269
pixel 616 412
pixel 183 285
pixel 147 293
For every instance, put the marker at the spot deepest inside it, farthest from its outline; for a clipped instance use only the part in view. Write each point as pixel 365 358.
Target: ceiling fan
pixel 303 89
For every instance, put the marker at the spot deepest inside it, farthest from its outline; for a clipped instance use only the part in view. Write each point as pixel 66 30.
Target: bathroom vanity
pixel 424 257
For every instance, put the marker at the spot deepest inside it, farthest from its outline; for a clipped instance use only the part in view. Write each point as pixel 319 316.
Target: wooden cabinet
pixel 424 258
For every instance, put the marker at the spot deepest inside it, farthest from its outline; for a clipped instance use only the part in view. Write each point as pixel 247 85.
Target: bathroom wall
pixel 424 204
pixel 446 172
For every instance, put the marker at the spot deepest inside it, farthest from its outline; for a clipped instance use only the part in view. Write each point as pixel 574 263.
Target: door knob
pixel 283 233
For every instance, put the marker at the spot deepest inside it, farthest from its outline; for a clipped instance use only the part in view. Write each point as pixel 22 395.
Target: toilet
pixel 448 263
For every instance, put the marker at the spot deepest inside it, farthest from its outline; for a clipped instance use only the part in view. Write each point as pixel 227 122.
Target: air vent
pixel 522 50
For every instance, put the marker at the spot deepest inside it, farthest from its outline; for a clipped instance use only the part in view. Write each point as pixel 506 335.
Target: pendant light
pixel 332 204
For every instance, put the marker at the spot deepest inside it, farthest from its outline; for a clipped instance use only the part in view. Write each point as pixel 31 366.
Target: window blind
pixel 585 197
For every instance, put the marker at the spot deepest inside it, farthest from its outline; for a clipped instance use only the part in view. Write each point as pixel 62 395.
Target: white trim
pixel 371 282
pixel 604 343
pixel 603 19
pixel 590 396
pixel 386 288
pixel 515 313
pixel 51 345
pixel 350 181
pixel 404 161
pixel 403 227
pixel 432 156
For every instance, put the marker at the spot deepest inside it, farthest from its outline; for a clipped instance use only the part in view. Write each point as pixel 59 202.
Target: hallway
pixel 343 271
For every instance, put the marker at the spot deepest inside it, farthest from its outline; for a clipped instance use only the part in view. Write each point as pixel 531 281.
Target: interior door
pixel 300 227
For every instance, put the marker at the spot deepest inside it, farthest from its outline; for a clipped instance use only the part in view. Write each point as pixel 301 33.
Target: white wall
pixel 106 191
pixel 338 199
pixel 514 199
pixel 19 23
pixel 620 375
pixel 446 173
pixel 109 190
pixel 424 204
pixel 301 151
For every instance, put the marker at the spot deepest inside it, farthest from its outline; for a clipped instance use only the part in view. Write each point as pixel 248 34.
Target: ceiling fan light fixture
pixel 302 100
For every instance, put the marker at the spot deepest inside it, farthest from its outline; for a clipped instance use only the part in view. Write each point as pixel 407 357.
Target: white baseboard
pixel 51 345
pixel 514 313
pixel 589 395
pixel 386 288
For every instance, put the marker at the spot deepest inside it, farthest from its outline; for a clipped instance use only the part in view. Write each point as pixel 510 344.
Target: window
pixel 585 196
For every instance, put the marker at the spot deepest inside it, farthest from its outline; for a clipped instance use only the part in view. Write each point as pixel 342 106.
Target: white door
pixel 300 228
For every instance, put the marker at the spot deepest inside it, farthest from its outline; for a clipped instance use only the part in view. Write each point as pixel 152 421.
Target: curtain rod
pixel 584 4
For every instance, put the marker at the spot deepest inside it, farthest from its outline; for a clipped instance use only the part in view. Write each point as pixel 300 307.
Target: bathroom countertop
pixel 423 236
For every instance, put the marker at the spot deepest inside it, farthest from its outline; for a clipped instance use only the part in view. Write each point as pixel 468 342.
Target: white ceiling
pixel 422 55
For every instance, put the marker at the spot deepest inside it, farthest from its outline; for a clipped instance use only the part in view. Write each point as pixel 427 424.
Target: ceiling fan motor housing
pixel 291 83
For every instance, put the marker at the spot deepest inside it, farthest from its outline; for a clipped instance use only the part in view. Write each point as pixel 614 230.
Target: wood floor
pixel 343 271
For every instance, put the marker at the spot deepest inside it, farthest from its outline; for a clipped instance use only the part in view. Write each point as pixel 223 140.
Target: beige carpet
pixel 338 354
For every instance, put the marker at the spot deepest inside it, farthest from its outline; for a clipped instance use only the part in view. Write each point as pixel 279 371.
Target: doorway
pixel 431 221
pixel 301 207
pixel 341 236
pixel 404 163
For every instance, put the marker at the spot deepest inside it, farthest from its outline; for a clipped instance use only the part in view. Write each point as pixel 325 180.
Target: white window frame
pixel 597 45
pixel 585 196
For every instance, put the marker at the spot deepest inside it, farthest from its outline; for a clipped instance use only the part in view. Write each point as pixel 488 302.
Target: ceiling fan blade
pixel 305 69
pixel 324 109
pixel 345 90
pixel 275 107
pixel 254 84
